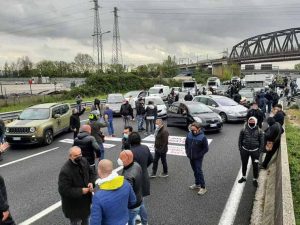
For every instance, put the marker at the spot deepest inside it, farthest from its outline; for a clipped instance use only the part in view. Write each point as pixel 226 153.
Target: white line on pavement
pixel 28 157
pixel 41 214
pixel 232 205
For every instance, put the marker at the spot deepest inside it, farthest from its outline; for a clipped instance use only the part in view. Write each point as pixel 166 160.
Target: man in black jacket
pixel 161 148
pixel 188 97
pixel 143 156
pixel 257 113
pixel 126 111
pixel 140 114
pixel 150 116
pixel 125 140
pixel 251 143
pixel 75 185
pixel 279 114
pixel 273 135
pixel 89 146
pixel 75 121
pixel 133 174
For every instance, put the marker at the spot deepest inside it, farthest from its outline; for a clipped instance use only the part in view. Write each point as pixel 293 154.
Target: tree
pixel 116 69
pixel 142 71
pixel 25 66
pixel 169 67
pixel 7 69
pixel 47 68
pixel 154 69
pixel 297 67
pixel 84 63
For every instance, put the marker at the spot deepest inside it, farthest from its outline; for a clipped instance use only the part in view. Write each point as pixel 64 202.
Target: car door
pixel 172 114
pixel 213 105
pixel 56 122
pixel 65 116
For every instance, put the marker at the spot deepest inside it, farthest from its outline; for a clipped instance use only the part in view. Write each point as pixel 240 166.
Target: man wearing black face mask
pixel 196 146
pixel 251 143
pixel 75 187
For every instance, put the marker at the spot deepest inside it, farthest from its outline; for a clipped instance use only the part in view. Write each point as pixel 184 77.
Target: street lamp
pixel 101 48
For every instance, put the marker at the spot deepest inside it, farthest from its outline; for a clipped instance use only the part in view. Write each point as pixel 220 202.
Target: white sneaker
pixel 202 191
pixel 194 187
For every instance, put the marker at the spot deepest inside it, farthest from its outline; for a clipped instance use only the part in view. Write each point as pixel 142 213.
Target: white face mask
pixel 120 162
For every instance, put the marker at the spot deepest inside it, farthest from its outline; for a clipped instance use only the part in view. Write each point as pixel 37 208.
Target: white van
pixel 160 90
pixel 190 86
pixel 213 82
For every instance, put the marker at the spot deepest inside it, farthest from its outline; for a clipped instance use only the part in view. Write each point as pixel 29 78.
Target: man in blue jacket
pixel 111 201
pixel 196 146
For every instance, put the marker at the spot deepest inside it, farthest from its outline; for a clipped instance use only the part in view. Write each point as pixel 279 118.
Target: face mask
pixel 125 136
pixel 120 162
pixel 251 125
pixel 78 160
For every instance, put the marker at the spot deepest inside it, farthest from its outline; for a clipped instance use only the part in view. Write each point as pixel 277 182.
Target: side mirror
pixel 56 116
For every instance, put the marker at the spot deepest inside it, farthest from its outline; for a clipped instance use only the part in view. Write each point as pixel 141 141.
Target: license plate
pixel 17 138
pixel 213 125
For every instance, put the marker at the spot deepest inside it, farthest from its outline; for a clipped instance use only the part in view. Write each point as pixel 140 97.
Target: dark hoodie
pixel 88 146
pixel 196 145
pixel 279 117
pixel 273 132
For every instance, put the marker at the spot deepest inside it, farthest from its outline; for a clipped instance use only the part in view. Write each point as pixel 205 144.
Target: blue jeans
pixel 140 121
pixel 198 173
pixel 132 215
pixel 101 149
pixel 143 214
pixel 110 128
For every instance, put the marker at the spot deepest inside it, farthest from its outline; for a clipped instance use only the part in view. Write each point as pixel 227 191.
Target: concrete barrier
pixel 273 203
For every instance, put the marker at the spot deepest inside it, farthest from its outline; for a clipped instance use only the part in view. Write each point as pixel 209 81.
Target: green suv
pixel 39 124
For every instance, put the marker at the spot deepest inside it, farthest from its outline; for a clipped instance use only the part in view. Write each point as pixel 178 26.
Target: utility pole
pixel 97 36
pixel 116 49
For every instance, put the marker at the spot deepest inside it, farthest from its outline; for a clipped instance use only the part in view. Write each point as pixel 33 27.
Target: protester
pixel 237 97
pixel 3 148
pixel 161 148
pixel 269 98
pixel 188 97
pixel 203 91
pixel 126 111
pixel 143 156
pixel 96 125
pixel 254 111
pixel 109 117
pixel 140 114
pixel 125 140
pixel 89 147
pixel 196 146
pixel 261 101
pixel 133 174
pixel 75 121
pixel 97 104
pixel 279 114
pixel 150 115
pixel 78 101
pixel 2 135
pixel 5 216
pixel 251 143
pixel 111 201
pixel 272 140
pixel 75 185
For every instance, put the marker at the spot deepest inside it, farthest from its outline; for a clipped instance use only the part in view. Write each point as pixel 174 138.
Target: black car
pixel 182 114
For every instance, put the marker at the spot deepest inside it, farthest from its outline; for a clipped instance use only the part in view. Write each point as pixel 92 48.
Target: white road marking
pixel 28 157
pixel 113 139
pixel 172 139
pixel 41 214
pixel 232 205
pixel 71 141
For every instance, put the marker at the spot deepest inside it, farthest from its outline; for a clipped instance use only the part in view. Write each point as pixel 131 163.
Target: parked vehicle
pixel 182 114
pixel 228 109
pixel 190 86
pixel 115 101
pixel 213 82
pixel 247 95
pixel 159 103
pixel 160 90
pixel 176 89
pixel 135 96
pixel 39 124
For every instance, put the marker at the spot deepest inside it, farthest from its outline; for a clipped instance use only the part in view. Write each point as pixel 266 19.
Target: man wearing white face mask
pixel 251 143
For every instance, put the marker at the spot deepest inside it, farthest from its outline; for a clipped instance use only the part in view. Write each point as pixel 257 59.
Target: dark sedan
pixel 182 114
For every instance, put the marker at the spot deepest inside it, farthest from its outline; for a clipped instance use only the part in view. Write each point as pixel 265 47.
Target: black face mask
pixel 252 125
pixel 78 160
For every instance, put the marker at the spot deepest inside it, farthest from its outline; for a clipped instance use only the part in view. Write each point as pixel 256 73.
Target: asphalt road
pixel 32 183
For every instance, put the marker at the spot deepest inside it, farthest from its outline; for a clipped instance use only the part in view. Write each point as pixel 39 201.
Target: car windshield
pixel 132 93
pixel 156 101
pixel 226 102
pixel 189 84
pixel 212 83
pixel 155 90
pixel 35 114
pixel 199 108
pixel 115 99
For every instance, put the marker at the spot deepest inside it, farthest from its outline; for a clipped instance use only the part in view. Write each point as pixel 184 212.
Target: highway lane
pixel 32 183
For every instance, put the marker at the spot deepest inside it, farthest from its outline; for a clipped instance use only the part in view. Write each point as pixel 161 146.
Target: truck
pixel 190 86
pixel 213 82
pixel 255 81
pixel 160 90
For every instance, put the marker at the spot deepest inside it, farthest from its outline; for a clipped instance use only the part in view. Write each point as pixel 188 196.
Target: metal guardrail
pixel 14 115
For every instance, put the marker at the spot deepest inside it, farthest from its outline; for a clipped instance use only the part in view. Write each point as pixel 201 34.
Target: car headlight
pixel 7 130
pixel 197 119
pixel 32 129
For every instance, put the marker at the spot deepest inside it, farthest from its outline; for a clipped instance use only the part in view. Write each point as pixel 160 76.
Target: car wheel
pixel 48 137
pixel 224 117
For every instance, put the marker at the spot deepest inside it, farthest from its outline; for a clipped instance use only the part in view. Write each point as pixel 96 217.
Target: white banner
pixel 71 141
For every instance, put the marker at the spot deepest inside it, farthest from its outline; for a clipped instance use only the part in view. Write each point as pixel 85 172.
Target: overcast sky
pixel 150 30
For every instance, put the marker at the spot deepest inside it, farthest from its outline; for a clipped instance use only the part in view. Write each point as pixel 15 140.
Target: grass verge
pixel 293 143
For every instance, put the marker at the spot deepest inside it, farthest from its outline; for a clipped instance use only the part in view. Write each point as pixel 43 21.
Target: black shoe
pixel 255 183
pixel 242 180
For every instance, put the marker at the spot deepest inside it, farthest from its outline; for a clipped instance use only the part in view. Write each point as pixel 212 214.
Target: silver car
pixel 115 102
pixel 228 109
